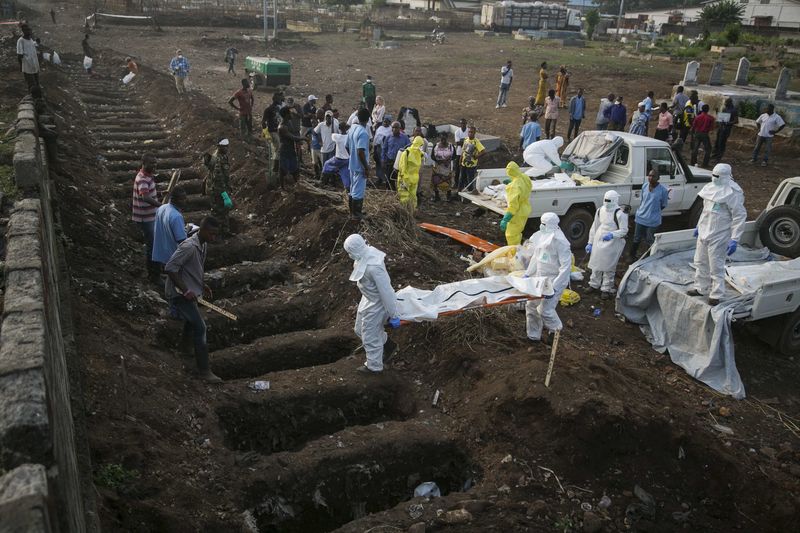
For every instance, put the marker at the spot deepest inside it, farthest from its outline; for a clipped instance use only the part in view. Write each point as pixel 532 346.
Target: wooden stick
pixel 124 377
pixel 218 309
pixel 173 181
pixel 552 358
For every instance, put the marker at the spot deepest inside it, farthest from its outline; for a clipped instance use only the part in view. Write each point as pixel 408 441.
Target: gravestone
pixel 783 84
pixel 690 76
pixel 742 72
pixel 716 74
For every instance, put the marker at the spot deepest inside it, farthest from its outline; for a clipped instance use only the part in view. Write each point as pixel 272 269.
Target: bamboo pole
pixel 552 358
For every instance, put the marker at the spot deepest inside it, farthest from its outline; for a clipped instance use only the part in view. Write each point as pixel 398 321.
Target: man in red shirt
pixel 702 125
pixel 244 97
pixel 145 204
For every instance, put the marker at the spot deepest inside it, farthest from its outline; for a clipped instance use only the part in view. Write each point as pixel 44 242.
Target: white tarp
pixel 592 152
pixel 750 278
pixel 697 336
pixel 417 305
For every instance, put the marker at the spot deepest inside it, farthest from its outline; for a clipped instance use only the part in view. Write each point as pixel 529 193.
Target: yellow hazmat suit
pixel 518 194
pixel 408 175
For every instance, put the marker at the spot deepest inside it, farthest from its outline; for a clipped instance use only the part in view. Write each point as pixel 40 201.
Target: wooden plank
pixel 461 236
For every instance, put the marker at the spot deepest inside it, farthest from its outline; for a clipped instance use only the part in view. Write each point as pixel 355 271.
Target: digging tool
pixel 552 358
pixel 173 182
pixel 217 309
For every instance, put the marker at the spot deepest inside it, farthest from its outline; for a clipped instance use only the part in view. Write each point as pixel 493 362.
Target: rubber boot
pixel 350 205
pixel 203 371
pixel 358 215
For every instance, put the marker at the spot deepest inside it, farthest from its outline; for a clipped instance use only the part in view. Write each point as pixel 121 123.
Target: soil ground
pixel 171 454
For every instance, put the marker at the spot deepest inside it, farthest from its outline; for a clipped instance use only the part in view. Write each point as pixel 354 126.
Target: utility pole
pixel 619 16
pixel 265 22
pixel 275 20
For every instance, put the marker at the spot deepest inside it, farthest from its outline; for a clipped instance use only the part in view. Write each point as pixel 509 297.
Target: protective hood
pixel 518 192
pixel 558 141
pixel 362 254
pixel 721 186
pixel 611 200
pixel 549 222
pixel 412 158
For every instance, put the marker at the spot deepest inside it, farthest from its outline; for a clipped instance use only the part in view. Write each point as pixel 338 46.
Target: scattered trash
pixel 429 489
pixel 415 510
pixel 596 312
pixel 586 506
pixel 435 398
pixel 604 503
pixel 681 453
pixel 505 489
pixel 259 385
pixel 722 429
pixel 507 459
pixel 458 516
pixel 724 411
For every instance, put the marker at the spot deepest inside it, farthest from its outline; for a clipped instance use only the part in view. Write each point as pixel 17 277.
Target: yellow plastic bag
pixel 569 297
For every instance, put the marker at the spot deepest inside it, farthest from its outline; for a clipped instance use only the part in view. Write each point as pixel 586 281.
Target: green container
pixel 269 71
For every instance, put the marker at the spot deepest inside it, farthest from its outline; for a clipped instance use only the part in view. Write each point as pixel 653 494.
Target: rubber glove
pixel 732 245
pixel 506 218
pixel 394 322
pixel 608 236
pixel 226 199
pixel 564 165
pixel 589 248
pixel 696 233
pixel 549 297
pixel 506 181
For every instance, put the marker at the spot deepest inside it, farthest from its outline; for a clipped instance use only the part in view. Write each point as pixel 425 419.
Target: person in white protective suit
pixel 718 232
pixel 606 242
pixel 542 156
pixel 550 257
pixel 378 302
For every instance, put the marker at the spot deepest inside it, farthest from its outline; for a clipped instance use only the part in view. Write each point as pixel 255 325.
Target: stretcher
pixel 460 236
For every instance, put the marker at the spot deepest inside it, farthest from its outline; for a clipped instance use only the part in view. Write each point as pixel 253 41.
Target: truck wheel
pixel 575 225
pixel 780 230
pixel 789 340
pixel 695 212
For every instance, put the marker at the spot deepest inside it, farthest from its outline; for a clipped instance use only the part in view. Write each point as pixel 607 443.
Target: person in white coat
pixel 542 156
pixel 378 302
pixel 550 257
pixel 606 242
pixel 718 232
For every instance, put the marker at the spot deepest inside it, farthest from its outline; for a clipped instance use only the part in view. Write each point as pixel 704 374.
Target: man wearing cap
pixel 179 66
pixel 244 97
pixel 218 184
pixel 368 92
pixel 309 112
pixel 325 130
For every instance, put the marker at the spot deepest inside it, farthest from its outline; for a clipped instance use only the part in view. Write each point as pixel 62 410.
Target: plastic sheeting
pixel 697 336
pixel 592 152
pixel 417 305
pixel 750 278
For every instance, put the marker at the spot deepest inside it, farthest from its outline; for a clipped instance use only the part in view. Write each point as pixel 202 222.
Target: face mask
pixel 545 229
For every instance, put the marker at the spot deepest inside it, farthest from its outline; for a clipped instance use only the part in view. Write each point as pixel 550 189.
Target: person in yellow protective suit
pixel 408 174
pixel 518 194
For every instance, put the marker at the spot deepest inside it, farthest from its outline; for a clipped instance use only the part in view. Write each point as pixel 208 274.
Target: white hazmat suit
pixel 609 220
pixel 542 156
pixel 721 223
pixel 378 300
pixel 551 257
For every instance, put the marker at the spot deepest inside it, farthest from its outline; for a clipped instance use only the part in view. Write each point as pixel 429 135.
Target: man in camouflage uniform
pixel 218 182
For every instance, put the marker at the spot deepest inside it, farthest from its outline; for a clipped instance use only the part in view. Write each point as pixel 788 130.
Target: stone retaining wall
pixel 42 488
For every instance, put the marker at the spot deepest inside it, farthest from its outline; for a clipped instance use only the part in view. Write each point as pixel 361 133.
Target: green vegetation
pixel 725 12
pixel 592 19
pixel 114 475
pixel 748 110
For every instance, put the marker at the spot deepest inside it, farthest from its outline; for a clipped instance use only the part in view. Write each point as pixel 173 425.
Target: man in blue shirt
pixel 179 66
pixel 531 131
pixel 648 216
pixel 358 147
pixel 577 112
pixel 617 116
pixel 169 230
pixel 392 144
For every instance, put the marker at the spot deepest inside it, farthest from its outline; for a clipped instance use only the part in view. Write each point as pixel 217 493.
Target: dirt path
pixel 325 448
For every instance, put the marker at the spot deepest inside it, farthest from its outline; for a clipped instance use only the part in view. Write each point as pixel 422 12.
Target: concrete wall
pixel 37 432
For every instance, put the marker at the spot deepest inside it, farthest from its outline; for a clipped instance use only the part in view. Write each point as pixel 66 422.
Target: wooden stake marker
pixel 552 358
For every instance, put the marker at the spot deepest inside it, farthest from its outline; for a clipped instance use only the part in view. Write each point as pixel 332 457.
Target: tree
pixel 592 19
pixel 733 32
pixel 722 13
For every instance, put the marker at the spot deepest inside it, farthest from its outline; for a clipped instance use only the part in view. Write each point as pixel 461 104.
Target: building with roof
pixel 768 13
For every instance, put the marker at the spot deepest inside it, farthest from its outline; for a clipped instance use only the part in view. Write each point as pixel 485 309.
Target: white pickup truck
pixel 629 163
